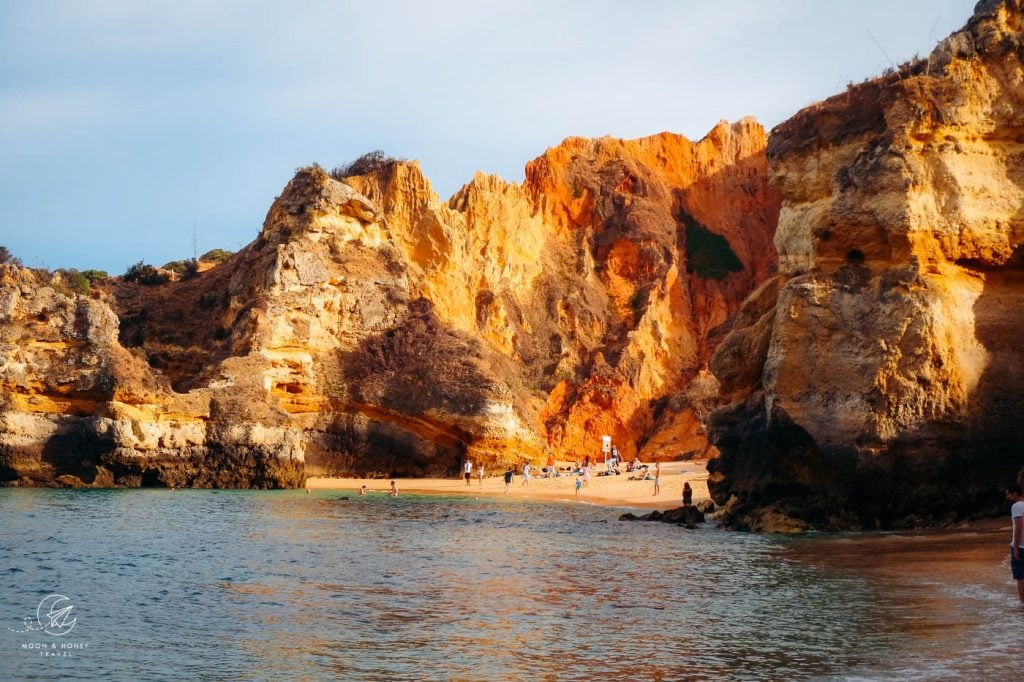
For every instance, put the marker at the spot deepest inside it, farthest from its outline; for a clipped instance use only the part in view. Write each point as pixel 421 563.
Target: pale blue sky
pixel 124 123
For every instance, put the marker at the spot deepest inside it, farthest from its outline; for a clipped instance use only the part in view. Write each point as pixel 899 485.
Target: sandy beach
pixel 612 491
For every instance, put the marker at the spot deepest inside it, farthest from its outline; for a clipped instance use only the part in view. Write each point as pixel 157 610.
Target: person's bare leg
pixel 1020 591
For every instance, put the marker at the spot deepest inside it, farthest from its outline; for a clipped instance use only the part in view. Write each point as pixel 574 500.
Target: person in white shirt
pixel 468 471
pixel 526 475
pixel 1013 494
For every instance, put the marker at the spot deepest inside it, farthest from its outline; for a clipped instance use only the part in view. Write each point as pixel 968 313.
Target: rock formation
pixel 371 329
pixel 877 380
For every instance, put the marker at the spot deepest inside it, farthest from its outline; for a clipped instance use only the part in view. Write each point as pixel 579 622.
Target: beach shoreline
pixel 608 491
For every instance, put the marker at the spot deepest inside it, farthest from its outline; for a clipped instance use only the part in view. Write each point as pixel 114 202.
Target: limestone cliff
pixel 606 277
pixel 877 380
pixel 372 329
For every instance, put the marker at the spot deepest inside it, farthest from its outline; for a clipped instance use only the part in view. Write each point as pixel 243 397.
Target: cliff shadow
pixel 996 405
pixel 413 392
pixel 74 454
pixel 183 327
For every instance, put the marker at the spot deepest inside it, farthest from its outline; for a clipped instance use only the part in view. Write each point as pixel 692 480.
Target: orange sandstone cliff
pixel 372 329
pixel 878 380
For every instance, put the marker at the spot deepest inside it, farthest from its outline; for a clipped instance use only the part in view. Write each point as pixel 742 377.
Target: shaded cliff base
pixel 779 480
pixel 877 383
pixel 75 456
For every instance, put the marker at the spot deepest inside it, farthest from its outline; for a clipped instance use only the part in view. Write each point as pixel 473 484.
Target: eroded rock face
pixel 607 278
pixel 79 409
pixel 373 330
pixel 878 381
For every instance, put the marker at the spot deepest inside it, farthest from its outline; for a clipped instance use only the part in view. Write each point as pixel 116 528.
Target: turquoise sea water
pixel 226 585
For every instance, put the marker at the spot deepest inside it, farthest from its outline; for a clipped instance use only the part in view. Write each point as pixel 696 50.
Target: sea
pixel 154 584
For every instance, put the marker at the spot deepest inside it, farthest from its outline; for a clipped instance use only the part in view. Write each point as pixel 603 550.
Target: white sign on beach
pixel 606 444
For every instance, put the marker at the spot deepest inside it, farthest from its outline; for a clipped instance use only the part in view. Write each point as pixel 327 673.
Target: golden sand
pixel 612 491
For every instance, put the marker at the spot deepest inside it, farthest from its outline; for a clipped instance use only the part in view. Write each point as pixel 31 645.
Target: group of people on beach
pixel 582 472
pixel 467 472
pixel 549 471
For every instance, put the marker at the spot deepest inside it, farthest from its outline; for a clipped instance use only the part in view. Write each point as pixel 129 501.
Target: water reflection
pixel 265 585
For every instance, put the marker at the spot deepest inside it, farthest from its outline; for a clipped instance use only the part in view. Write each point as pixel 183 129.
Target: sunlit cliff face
pixel 583 276
pixel 887 343
pixel 372 328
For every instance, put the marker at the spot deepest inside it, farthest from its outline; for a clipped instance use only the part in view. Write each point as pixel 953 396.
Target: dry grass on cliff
pixel 180 327
pixel 422 366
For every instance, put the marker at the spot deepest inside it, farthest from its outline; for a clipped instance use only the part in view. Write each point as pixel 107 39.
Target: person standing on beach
pixel 687 494
pixel 394 490
pixel 586 475
pixel 509 474
pixel 579 484
pixel 657 477
pixel 526 475
pixel 1013 494
pixel 468 469
pixel 480 475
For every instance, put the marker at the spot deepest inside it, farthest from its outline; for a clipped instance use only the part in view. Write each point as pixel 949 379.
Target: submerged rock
pixel 682 516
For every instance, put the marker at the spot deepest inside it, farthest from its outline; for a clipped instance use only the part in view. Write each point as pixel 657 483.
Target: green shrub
pixel 637 302
pixel 7 258
pixel 185 269
pixel 216 256
pixel 708 255
pixel 175 266
pixel 95 275
pixel 145 274
pixel 74 281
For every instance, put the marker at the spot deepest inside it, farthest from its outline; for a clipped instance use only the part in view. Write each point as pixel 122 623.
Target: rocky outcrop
pixel 80 409
pixel 876 381
pixel 372 329
pixel 688 517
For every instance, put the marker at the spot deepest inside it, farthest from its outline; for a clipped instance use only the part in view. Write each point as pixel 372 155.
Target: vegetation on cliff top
pixel 371 162
pixel 185 269
pixel 66 281
pixel 216 256
pixel 143 273
pixel 8 258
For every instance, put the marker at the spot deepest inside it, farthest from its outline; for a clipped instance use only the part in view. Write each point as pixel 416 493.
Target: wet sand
pixel 611 491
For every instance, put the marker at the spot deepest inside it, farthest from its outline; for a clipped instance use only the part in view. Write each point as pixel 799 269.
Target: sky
pixel 145 131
